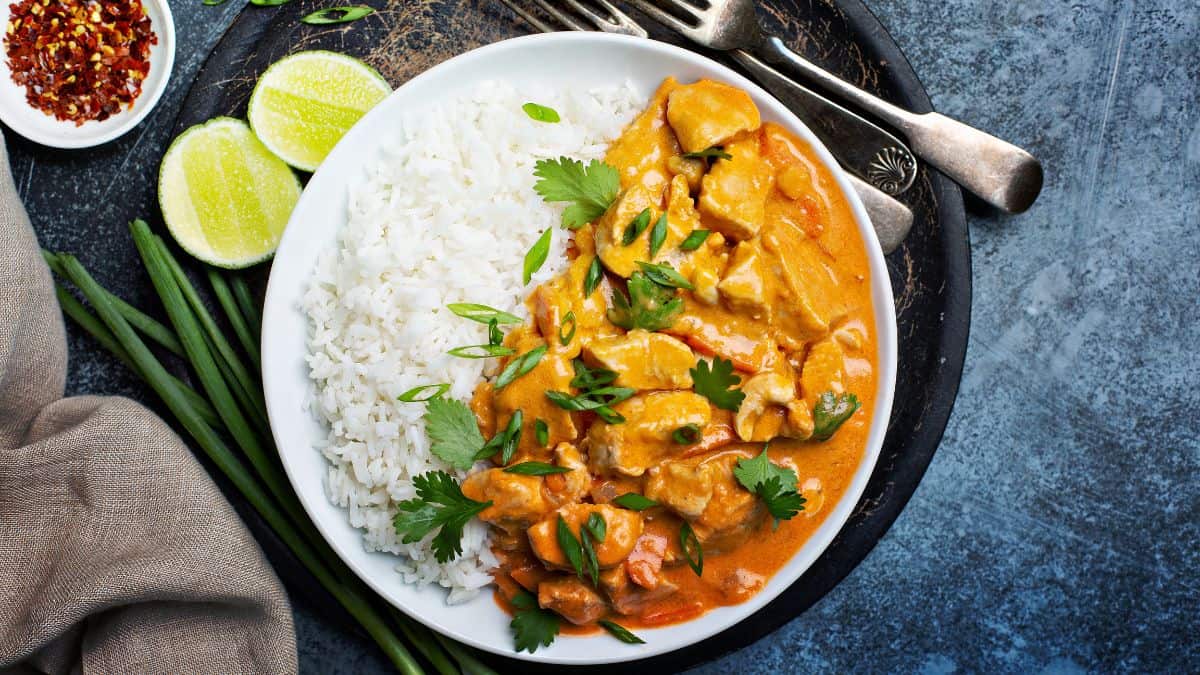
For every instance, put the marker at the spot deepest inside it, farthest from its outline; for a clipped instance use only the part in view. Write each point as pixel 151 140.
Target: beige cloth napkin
pixel 117 552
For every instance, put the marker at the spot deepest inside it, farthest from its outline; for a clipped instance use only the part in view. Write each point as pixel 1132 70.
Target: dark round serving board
pixel 931 273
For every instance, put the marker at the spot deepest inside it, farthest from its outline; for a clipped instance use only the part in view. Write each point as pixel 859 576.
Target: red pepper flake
pixel 79 60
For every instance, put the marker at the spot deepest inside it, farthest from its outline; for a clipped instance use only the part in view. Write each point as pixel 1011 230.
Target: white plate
pixel 594 59
pixel 39 127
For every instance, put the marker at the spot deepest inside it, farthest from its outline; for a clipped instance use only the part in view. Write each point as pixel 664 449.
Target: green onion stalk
pixel 232 404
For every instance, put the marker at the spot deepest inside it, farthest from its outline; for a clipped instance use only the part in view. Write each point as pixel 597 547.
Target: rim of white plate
pixel 314 224
pixel 39 127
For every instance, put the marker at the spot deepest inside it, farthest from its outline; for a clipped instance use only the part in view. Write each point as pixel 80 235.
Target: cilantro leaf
pixel 714 383
pixel 531 625
pixel 453 434
pixel 440 503
pixel 649 306
pixel 590 190
pixel 782 503
pixel 754 472
pixel 830 412
pixel 774 484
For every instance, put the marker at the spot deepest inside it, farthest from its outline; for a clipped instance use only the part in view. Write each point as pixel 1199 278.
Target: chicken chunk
pixel 628 597
pixel 642 151
pixel 527 394
pixel 519 501
pixel 740 584
pixel 691 168
pixel 644 564
pixel 703 491
pixel 619 258
pixel 806 305
pixel 744 286
pixel 552 301
pixel 706 266
pixel 643 360
pixel 572 599
pixel 623 529
pixel 733 195
pixel 824 370
pixel 709 113
pixel 645 437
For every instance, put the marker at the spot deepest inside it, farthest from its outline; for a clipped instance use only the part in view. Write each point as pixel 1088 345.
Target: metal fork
pixel 891 219
pixel 998 172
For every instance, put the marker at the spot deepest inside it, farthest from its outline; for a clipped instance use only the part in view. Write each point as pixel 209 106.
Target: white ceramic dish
pixel 552 58
pixel 39 127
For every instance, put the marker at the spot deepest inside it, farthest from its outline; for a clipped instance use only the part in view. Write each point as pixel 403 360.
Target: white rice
pixel 445 215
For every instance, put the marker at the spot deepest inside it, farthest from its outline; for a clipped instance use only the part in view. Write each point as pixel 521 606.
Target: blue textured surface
pixel 1058 527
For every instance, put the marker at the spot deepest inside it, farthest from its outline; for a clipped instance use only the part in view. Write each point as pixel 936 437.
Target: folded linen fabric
pixel 118 554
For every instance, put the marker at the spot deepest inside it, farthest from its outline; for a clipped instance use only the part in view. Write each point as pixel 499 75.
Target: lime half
pixel 304 104
pixel 224 196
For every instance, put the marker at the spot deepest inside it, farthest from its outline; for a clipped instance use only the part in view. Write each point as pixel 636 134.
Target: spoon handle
pixel 996 171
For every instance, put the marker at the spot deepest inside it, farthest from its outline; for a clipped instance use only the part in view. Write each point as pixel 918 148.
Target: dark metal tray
pixel 931 273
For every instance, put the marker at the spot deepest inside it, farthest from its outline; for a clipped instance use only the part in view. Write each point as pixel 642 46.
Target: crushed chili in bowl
pixel 79 60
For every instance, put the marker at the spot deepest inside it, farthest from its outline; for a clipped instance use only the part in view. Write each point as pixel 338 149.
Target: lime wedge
pixel 224 196
pixel 304 104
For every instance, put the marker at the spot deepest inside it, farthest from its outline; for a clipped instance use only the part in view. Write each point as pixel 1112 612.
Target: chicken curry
pixel 693 393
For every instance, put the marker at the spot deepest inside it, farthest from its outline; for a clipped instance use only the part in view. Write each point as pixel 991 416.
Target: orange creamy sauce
pixel 807 225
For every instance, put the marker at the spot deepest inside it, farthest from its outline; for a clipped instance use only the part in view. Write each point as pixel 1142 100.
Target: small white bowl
pixel 554 58
pixel 39 127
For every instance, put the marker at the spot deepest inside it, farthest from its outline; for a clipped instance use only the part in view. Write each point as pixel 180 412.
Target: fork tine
pixel 560 15
pixel 588 12
pixel 669 20
pixel 531 19
pixel 625 22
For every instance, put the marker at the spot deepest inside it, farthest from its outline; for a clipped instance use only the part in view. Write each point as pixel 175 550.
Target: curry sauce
pixel 635 332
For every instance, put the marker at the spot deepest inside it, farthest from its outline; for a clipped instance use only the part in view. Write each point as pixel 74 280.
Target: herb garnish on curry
pixel 691 391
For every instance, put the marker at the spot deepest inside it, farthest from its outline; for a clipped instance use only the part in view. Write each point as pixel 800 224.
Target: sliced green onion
pixel 665 275
pixel 686 434
pixel 714 152
pixel 536 469
pixel 590 378
pixel 635 502
pixel 694 240
pixel 658 234
pixel 536 256
pixel 570 546
pixel 591 563
pixel 481 351
pixel 414 395
pixel 620 632
pixel 520 366
pixel 594 274
pixel 481 313
pixel 636 227
pixel 597 526
pixel 337 15
pixel 512 437
pixel 542 431
pixel 565 340
pixel 541 113
pixel 689 543
pixel 495 335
